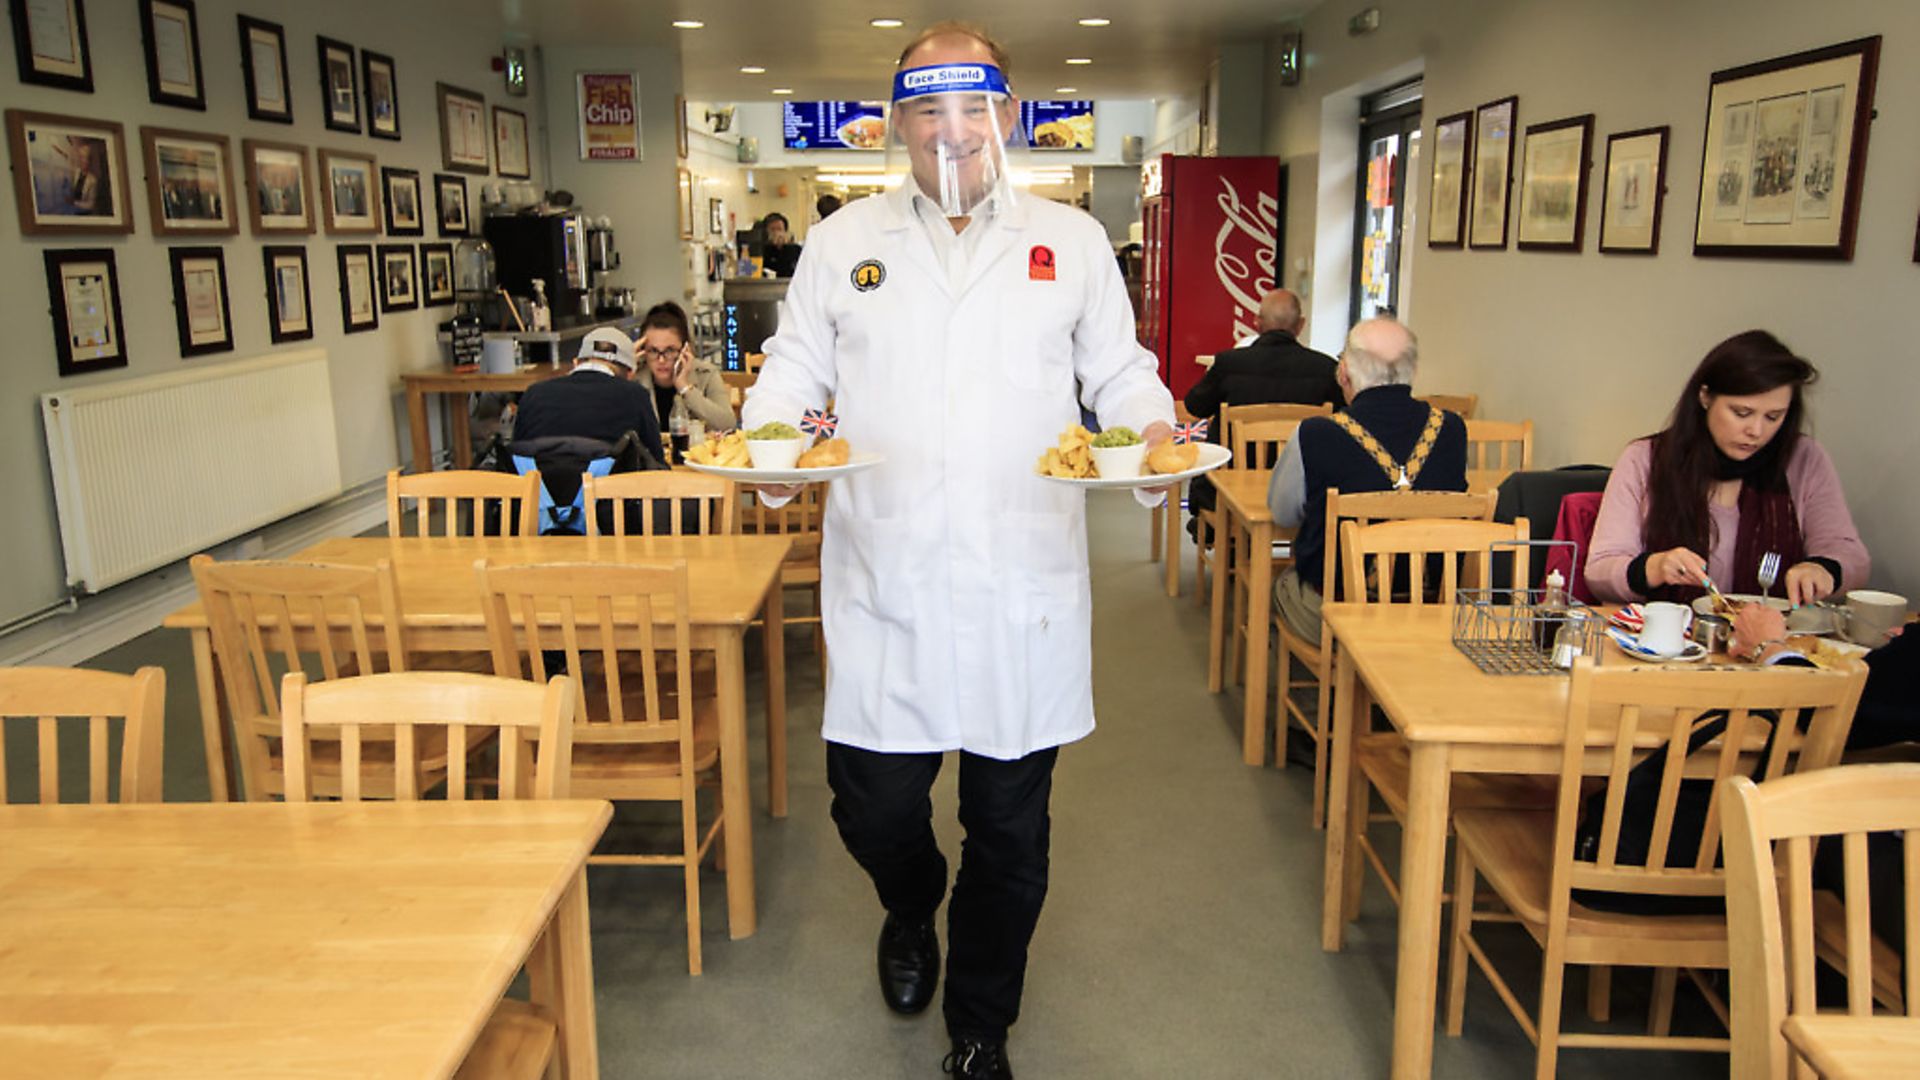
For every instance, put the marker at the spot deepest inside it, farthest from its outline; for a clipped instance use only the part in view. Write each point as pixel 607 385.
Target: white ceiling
pixel 825 49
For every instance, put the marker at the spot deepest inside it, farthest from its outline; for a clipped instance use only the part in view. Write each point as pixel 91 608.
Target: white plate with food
pixel 747 474
pixel 864 133
pixel 1806 619
pixel 734 456
pixel 1075 460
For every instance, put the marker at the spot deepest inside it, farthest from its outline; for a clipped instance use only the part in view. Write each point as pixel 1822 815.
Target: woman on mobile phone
pixel 677 375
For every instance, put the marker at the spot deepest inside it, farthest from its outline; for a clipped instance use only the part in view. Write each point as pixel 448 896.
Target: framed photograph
pixel 450 203
pixel 399 282
pixel 680 125
pixel 339 86
pixel 1636 180
pixel 281 201
pixel 200 300
pixel 84 292
pixel 400 191
pixel 170 30
pixel 69 174
pixel 463 130
pixel 50 40
pixel 381 86
pixel 436 275
pixel 510 144
pixel 1493 127
pixel 189 183
pixel 1785 154
pixel 609 115
pixel 358 308
pixel 263 61
pixel 289 300
pixel 1553 184
pixel 1447 216
pixel 686 203
pixel 716 217
pixel 352 196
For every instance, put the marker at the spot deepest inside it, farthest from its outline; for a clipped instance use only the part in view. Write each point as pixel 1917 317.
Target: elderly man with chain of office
pixel 951 320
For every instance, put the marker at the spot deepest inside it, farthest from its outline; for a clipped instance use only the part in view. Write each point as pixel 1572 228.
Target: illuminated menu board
pixel 1058 125
pixel 834 125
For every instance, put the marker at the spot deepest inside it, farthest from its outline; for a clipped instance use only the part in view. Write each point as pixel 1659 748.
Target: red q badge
pixel 1040 263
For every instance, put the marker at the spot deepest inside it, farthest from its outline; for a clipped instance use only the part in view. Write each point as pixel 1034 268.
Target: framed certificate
pixel 84 290
pixel 200 300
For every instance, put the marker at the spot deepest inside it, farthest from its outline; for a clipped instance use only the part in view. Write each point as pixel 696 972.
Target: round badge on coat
pixel 868 275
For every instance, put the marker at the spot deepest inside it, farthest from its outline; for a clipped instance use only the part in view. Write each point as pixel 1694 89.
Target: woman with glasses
pixel 676 375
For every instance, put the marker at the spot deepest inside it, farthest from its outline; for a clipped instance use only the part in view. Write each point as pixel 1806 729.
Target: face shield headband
pixel 948 122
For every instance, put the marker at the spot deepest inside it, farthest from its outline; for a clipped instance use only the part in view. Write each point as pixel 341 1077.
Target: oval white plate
pixel 1812 620
pixel 1693 652
pixel 748 475
pixel 1211 458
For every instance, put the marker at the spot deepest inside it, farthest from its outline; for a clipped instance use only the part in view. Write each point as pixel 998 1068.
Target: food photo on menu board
pixel 834 125
pixel 1058 125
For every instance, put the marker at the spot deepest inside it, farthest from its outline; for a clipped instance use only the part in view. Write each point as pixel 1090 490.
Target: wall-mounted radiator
pixel 152 470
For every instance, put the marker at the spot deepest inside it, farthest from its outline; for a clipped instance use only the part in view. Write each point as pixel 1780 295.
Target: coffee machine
pixel 603 259
pixel 549 247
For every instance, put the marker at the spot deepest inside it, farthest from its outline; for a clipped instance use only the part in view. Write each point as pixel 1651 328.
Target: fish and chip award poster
pixel 609 116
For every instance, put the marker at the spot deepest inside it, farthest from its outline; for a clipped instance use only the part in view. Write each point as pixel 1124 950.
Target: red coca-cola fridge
pixel 1211 229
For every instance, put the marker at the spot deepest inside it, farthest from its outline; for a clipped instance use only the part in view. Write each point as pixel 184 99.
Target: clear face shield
pixel 954 131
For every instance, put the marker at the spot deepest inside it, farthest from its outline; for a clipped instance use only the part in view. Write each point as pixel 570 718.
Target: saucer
pixel 1692 652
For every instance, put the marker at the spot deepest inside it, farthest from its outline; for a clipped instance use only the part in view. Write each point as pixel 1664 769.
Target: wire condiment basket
pixel 1515 631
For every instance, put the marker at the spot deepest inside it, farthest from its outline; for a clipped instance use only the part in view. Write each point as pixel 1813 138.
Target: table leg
pixel 735 800
pixel 772 611
pixel 1359 801
pixel 1341 827
pixel 1172 530
pixel 1217 618
pixel 460 434
pixel 417 427
pixel 1157 523
pixel 212 731
pixel 572 953
pixel 1423 866
pixel 1259 571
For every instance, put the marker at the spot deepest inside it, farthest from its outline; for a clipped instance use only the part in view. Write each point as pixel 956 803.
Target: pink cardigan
pixel 1822 506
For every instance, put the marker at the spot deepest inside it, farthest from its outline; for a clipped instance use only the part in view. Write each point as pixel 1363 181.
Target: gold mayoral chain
pixel 1401 476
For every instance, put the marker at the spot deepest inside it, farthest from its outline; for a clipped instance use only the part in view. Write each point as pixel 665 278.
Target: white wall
pixel 1594 347
pixel 430 41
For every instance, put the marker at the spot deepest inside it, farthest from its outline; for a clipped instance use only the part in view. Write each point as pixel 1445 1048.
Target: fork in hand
pixel 1769 573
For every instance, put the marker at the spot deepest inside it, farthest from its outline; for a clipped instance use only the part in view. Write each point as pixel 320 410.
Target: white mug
pixel 1871 613
pixel 1663 627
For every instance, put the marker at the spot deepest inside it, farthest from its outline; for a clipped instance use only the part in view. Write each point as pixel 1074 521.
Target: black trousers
pixel 884 810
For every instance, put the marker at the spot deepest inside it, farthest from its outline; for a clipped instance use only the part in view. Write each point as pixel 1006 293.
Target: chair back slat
pixel 714 500
pixel 1258 444
pixel 90 706
pixel 529 719
pixel 1500 444
pixel 1371 553
pixel 1367 507
pixel 463 495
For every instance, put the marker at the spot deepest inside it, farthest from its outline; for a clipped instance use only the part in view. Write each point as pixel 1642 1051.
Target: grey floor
pixel 1180 937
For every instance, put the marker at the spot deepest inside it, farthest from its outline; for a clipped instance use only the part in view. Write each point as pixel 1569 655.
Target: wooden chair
pixel 641 732
pixel 46 695
pixel 1370 560
pixel 1774 958
pixel 1534 859
pixel 1231 416
pixel 1259 444
pixel 519 1040
pixel 690 502
pixel 1461 405
pixel 1363 508
pixel 801 521
pixel 463 497
pixel 251 606
pixel 1500 444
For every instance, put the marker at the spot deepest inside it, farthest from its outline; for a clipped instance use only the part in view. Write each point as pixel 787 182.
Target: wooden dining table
pixel 318 940
pixel 731 580
pixel 1856 1047
pixel 1242 499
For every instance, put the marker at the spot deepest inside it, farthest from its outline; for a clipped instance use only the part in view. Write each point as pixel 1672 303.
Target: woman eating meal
pixel 1731 480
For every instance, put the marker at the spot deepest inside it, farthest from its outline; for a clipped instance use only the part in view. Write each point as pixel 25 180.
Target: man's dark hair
pixel 825 205
pixel 769 219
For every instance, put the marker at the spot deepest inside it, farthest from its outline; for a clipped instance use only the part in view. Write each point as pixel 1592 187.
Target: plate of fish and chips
pixel 731 457
pixel 1078 457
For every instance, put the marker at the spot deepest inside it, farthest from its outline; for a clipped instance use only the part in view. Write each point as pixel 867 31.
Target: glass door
pixel 1389 135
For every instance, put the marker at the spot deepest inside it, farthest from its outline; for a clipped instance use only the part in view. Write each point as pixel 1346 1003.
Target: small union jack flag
pixel 1194 432
pixel 819 422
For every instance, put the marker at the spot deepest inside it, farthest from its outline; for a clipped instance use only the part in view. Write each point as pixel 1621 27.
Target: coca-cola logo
pixel 1246 231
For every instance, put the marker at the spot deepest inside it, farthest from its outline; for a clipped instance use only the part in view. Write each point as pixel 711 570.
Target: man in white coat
pixel 950 322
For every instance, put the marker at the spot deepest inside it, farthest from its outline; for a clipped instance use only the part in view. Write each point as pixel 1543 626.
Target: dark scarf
pixel 1768 522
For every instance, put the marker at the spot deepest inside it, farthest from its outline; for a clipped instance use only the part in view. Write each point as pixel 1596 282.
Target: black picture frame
pixel 255 33
pixel 273 259
pixel 449 192
pixel 1625 238
pixel 1538 191
pixel 179 260
pixel 104 353
pixel 392 297
pixel 470 148
pixel 161 91
pixel 381 94
pixel 1448 195
pixel 339 105
pixel 370 320
pixel 430 296
pixel 509 125
pixel 397 187
pixel 33 71
pixel 1496 123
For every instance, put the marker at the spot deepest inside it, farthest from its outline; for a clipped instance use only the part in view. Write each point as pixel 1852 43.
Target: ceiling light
pixel 752 70
pixel 1078 60
pixel 1066 89
pixel 1096 22
pixel 782 90
pixel 885 24
pixel 688 24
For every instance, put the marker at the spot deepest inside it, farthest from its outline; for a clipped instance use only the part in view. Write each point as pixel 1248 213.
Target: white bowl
pixel 1119 462
pixel 775 453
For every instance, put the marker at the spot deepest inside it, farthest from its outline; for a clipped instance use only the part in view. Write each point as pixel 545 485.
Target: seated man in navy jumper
pixel 1383 440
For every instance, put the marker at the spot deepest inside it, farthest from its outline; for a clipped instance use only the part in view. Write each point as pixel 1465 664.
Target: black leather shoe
pixel 909 964
pixel 978 1059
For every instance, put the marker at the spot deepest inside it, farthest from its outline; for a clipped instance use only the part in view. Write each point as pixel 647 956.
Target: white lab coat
pixel 955 592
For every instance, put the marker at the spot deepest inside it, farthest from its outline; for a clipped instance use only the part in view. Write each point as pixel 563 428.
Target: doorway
pixel 1389 144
